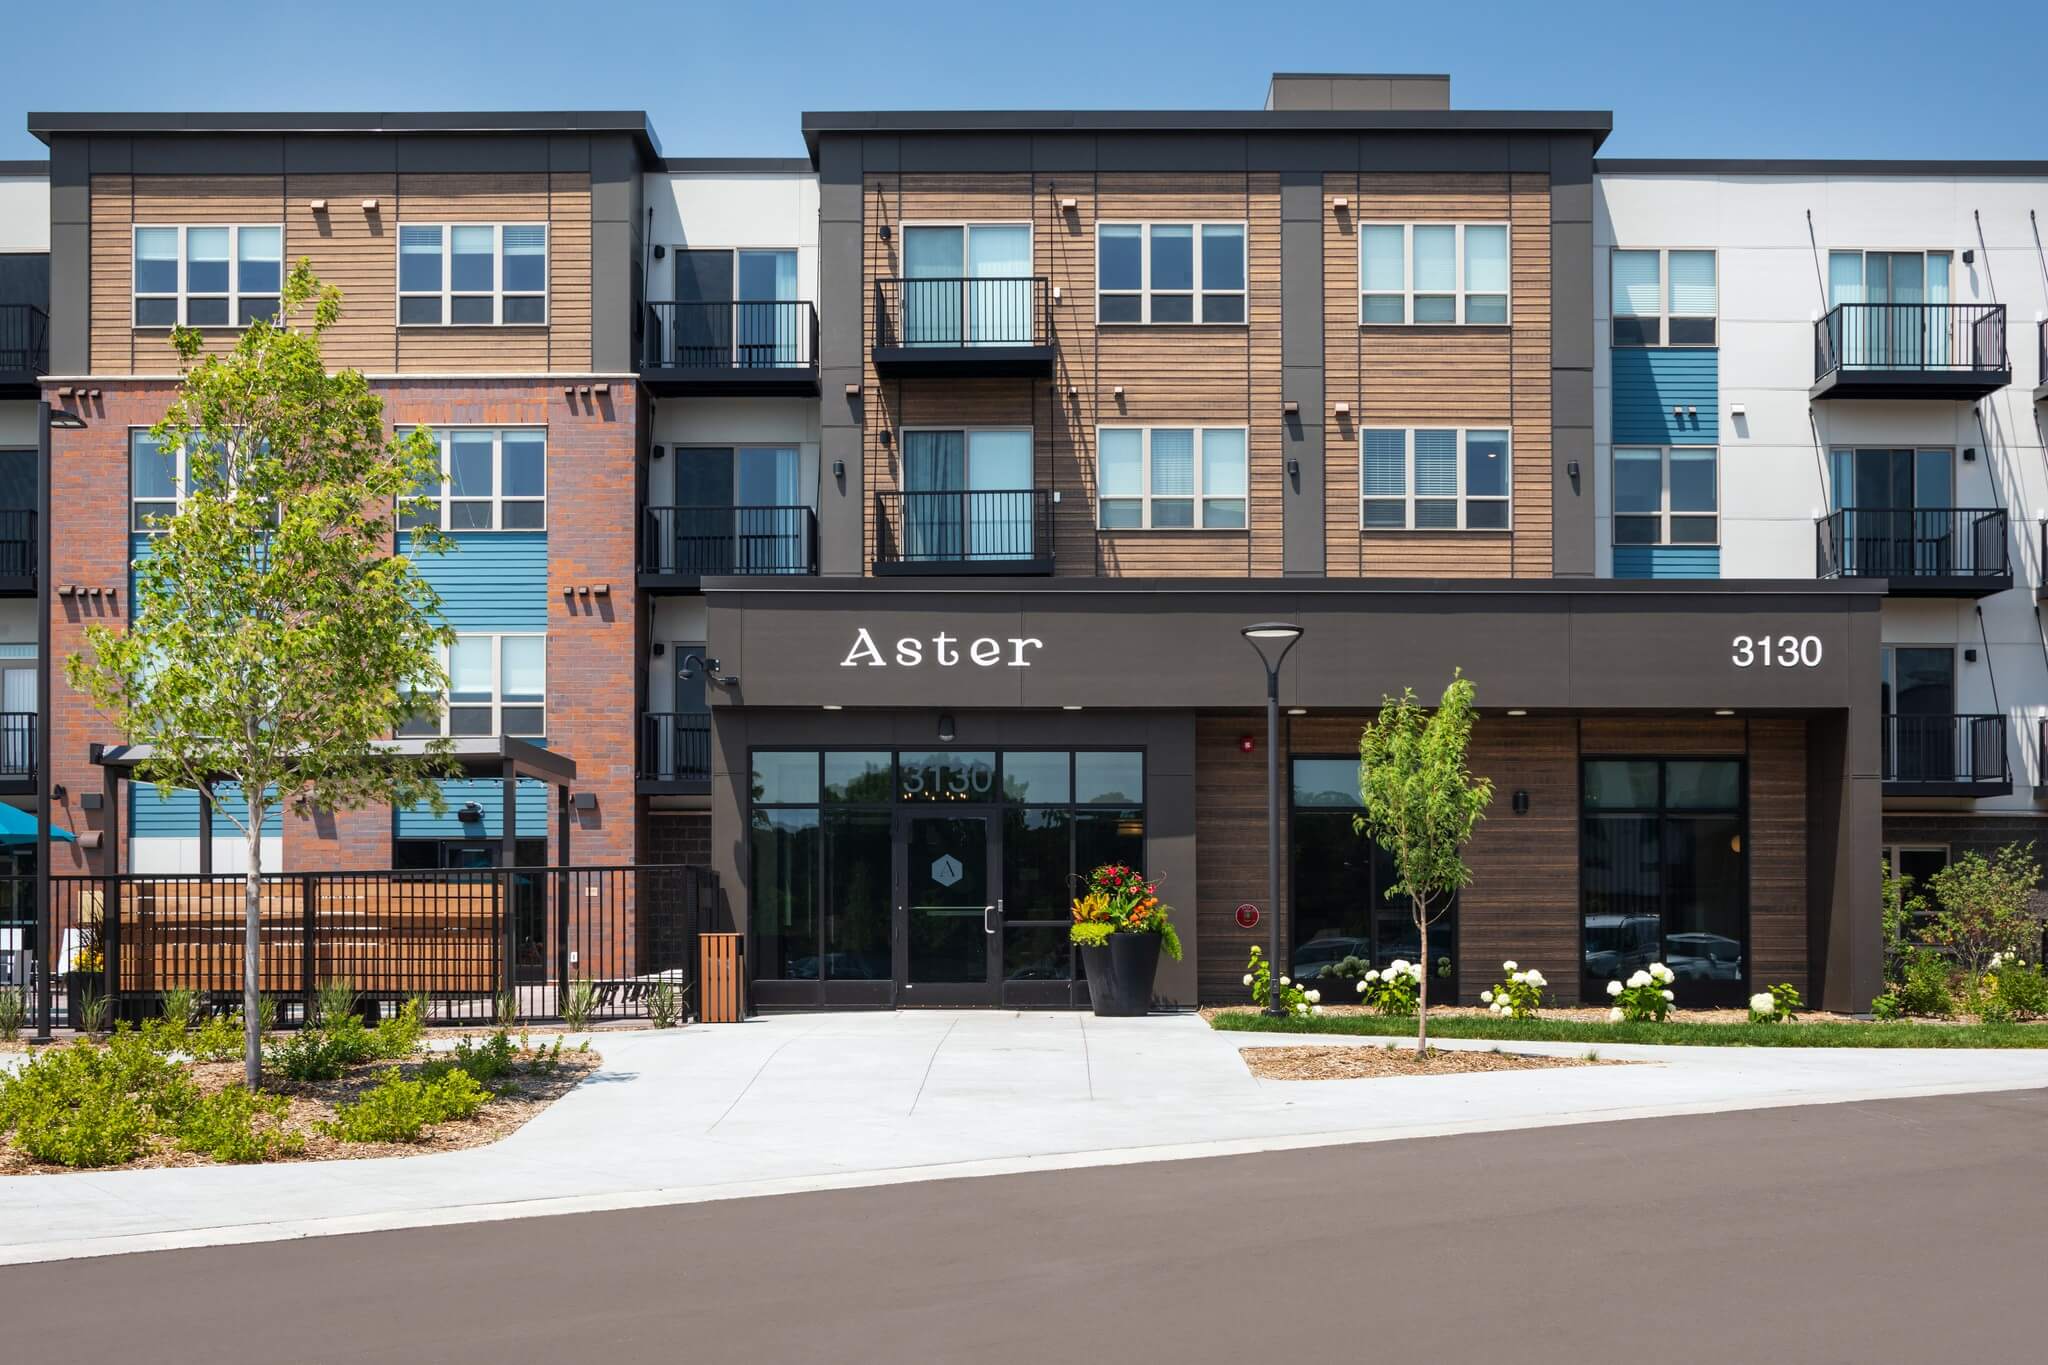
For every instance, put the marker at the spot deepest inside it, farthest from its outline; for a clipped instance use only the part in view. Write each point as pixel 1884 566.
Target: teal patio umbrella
pixel 18 827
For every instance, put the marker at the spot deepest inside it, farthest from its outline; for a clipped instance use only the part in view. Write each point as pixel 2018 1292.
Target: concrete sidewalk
pixel 814 1102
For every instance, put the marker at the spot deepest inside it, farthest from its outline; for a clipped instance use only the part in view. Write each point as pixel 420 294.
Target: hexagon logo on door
pixel 946 870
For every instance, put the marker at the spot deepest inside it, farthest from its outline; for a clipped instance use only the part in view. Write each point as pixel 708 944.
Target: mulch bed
pixel 1359 1062
pixel 312 1103
pixel 1583 1014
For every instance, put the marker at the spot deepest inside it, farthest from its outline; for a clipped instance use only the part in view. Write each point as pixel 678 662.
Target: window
pixel 1338 907
pixel 968 284
pixel 156 479
pixel 1667 496
pixel 497 685
pixel 733 309
pixel 491 480
pixel 1434 479
pixel 1433 274
pixel 472 274
pixel 1917 864
pixel 1663 298
pixel 1183 478
pixel 215 275
pixel 1170 272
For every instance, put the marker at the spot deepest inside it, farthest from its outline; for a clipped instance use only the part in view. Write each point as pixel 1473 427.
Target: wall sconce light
pixel 1677 411
pixel 1342 409
pixel 369 206
pixel 883 232
pixel 1738 411
pixel 1969 454
pixel 1969 656
pixel 1290 407
pixel 853 390
pixel 839 469
pixel 1069 205
pixel 1571 470
pixel 471 813
pixel 885 436
pixel 660 251
pixel 1340 203
pixel 947 732
pixel 1247 743
pixel 1521 802
pixel 601 388
pixel 661 452
pixel 1969 256
pixel 604 590
pixel 585 800
pixel 1725 711
pixel 1055 293
pixel 318 206
pixel 658 649
pixel 1517 711
pixel 89 838
pixel 1294 469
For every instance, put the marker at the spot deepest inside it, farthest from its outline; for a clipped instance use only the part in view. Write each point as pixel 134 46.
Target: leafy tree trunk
pixel 252 939
pixel 1422 986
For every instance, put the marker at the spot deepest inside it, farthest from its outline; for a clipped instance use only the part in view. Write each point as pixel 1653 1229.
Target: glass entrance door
pixel 951 930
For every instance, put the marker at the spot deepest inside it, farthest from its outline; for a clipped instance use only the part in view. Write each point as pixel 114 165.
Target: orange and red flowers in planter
pixel 1119 900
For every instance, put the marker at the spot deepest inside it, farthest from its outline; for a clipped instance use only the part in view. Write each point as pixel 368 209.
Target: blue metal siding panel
pixel 487 792
pixel 492 580
pixel 151 816
pixel 1649 383
pixel 1667 561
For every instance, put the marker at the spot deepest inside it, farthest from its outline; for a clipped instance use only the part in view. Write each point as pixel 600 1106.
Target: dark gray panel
pixel 479 155
pixel 737 165
pixel 967 152
pixel 202 155
pixel 1055 152
pixel 39 167
pixel 881 153
pixel 1571 500
pixel 70 182
pixel 1169 152
pixel 1302 152
pixel 1529 152
pixel 1571 295
pixel 841 502
pixel 616 193
pixel 112 155
pixel 1411 92
pixel 70 298
pixel 1571 398
pixel 347 154
pixel 573 152
pixel 613 252
pixel 1304 547
pixel 1404 151
pixel 1745 166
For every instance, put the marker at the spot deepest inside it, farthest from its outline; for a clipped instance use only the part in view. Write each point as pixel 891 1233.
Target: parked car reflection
pixel 1618 945
pixel 1705 957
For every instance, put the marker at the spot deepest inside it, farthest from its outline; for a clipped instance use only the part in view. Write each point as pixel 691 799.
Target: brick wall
pixel 678 836
pixel 1964 830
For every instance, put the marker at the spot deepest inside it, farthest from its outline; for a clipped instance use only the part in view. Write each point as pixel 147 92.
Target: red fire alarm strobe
pixel 1245 744
pixel 1247 915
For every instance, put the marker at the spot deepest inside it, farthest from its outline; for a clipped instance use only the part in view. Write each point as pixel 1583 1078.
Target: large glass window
pixel 1444 274
pixel 1663 875
pixel 492 479
pixel 497 685
pixel 1170 272
pixel 1339 882
pixel 1434 479
pixel 212 275
pixel 472 274
pixel 1663 298
pixel 1183 478
pixel 1666 496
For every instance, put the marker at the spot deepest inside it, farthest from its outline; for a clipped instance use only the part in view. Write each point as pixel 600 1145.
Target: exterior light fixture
pixel 1272 641
pixel 947 732
pixel 1521 803
pixel 1297 710
pixel 1725 711
pixel 833 706
pixel 470 813
pixel 1343 408
pixel 1517 711
pixel 1070 708
pixel 584 800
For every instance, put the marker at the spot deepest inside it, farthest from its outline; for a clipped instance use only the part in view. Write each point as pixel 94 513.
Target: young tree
pixel 1986 907
pixel 1421 805
pixel 274 638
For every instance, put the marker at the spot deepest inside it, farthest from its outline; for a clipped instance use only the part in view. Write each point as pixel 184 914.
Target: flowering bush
pixel 1392 992
pixel 2012 989
pixel 1518 997
pixel 1646 997
pixel 1119 900
pixel 1778 1005
pixel 1295 999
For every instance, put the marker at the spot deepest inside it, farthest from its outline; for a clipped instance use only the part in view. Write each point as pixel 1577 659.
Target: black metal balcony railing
pixel 1914 542
pixel 711 541
pixel 17 542
pixel 963 313
pixel 778 335
pixel 675 746
pixel 1967 338
pixel 985 531
pixel 24 339
pixel 1946 751
pixel 17 744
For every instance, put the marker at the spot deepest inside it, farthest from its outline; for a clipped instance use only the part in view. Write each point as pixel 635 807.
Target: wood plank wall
pixel 1523 902
pixel 1168 375
pixel 1420 376
pixel 358 251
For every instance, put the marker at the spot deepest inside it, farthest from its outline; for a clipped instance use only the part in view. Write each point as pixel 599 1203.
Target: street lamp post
pixel 1272 640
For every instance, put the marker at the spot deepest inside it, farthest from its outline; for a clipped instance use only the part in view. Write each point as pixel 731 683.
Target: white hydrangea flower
pixel 1763 1002
pixel 1315 1009
pixel 1660 971
pixel 1247 978
pixel 1668 996
pixel 1517 978
pixel 1614 988
pixel 1285 982
pixel 1486 997
pixel 1614 1014
pixel 1315 997
pixel 1416 971
pixel 1361 988
pixel 1400 965
pixel 1373 975
pixel 1635 982
pixel 1535 978
pixel 1507 966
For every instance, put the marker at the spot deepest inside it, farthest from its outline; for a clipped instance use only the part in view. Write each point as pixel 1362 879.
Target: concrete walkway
pixel 815 1102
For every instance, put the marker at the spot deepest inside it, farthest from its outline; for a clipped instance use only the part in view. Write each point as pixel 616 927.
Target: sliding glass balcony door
pixel 736 310
pixel 967 285
pixel 967 495
pixel 1896 511
pixel 740 510
pixel 1896 328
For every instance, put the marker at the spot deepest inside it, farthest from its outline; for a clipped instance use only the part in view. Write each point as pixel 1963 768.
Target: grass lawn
pixel 1820 1034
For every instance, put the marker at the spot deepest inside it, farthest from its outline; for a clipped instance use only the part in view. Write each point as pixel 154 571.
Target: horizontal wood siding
pixel 357 251
pixel 1167 375
pixel 1439 376
pixel 1777 854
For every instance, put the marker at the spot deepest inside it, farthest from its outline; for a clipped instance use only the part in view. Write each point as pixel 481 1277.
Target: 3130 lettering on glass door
pixel 1784 651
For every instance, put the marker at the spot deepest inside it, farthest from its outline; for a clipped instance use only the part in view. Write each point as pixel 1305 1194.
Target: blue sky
pixel 1734 78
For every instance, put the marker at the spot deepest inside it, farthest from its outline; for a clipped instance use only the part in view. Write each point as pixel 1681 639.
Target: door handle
pixel 987 919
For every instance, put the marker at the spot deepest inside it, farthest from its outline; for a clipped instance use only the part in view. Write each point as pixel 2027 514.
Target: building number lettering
pixel 1784 651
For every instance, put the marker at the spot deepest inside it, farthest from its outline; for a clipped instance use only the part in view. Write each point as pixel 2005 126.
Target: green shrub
pixel 399 1036
pixel 579 1005
pixel 399 1110
pixel 13 1012
pixel 224 1127
pixel 217 1039
pixel 181 1005
pixel 664 1005
pixel 73 1107
pixel 1924 988
pixel 335 1000
pixel 89 1011
pixel 548 1060
pixel 324 1053
pixel 488 1061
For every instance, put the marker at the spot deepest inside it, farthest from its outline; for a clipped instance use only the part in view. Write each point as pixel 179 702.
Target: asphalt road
pixel 1910 1231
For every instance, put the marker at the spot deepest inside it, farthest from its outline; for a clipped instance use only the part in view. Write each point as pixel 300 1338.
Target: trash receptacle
pixel 722 979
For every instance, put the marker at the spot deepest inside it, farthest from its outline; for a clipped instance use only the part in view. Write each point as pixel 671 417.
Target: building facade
pixel 877 528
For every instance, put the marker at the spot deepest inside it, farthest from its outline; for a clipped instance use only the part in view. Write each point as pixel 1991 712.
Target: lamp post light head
pixel 1272 640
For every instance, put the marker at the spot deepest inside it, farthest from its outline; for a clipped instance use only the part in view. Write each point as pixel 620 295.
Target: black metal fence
pixel 17 744
pixel 729 540
pixel 24 338
pixel 675 746
pixel 17 542
pixel 963 312
pixel 1914 542
pixel 1962 337
pixel 469 942
pixel 984 528
pixel 774 335
pixel 1946 750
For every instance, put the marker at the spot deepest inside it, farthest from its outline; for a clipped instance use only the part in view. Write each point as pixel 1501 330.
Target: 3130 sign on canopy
pixel 1783 651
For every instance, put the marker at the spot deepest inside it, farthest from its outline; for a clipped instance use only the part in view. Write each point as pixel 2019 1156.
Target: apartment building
pixel 878 528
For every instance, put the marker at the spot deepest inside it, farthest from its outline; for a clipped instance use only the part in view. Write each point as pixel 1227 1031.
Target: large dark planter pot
pixel 1120 974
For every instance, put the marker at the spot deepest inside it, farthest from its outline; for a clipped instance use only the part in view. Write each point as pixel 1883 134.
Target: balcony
pixel 2041 370
pixel 765 350
pixel 24 349
pixel 17 551
pixel 965 531
pixel 17 752
pixel 1910 350
pixel 1923 551
pixel 675 753
pixel 953 328
pixel 1946 756
pixel 681 546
